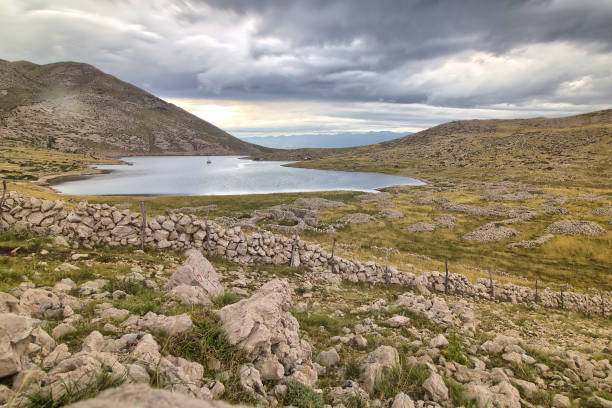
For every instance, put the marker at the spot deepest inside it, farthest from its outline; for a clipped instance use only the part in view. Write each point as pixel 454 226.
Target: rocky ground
pixel 174 326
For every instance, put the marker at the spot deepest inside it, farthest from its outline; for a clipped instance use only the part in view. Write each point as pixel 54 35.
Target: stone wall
pixel 89 224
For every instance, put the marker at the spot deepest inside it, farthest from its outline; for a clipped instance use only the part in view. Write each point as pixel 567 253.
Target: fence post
pixel 603 303
pixel 386 265
pixel 332 255
pixel 491 284
pixel 207 235
pixel 143 232
pixel 562 302
pixel 3 195
pixel 293 248
pixel 446 277
pixel 537 296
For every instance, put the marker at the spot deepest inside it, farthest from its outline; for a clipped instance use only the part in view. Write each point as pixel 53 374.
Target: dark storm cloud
pixel 471 53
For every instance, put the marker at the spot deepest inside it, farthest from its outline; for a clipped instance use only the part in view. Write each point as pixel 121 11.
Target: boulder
pixel 435 387
pixel 374 364
pixel 328 358
pixel 41 303
pixel 15 336
pixel 402 400
pixel 190 295
pixel 197 271
pixel 263 326
pixel 10 304
pixel 169 325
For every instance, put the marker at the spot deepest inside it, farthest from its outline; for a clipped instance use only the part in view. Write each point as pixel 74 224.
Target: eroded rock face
pixel 141 396
pixel 263 326
pixel 197 271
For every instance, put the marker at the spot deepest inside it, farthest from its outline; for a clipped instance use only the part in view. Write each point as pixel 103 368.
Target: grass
pixel 458 396
pixel 312 324
pixel 87 387
pixel 403 378
pixel 455 349
pixel 207 341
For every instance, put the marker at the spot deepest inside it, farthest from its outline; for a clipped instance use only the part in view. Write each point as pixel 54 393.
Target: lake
pixel 191 175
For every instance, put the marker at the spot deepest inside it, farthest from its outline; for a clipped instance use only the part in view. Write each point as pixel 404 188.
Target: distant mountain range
pixel 75 107
pixel 334 140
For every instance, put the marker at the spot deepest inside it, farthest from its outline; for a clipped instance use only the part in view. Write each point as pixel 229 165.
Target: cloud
pixel 473 54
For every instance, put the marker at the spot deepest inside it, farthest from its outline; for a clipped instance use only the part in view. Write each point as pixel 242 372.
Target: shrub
pixel 300 396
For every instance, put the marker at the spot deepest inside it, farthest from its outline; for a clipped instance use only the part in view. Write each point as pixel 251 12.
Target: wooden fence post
pixel 143 232
pixel 537 296
pixel 446 277
pixel 3 195
pixel 332 255
pixel 295 241
pixel 491 284
pixel 562 301
pixel 386 265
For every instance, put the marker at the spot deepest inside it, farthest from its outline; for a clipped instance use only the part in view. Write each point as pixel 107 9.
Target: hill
pixel 74 107
pixel 571 150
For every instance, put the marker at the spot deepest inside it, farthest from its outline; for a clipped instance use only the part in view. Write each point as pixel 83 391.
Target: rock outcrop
pixel 263 326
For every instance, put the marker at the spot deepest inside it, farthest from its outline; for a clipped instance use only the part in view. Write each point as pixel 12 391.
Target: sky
pixel 281 67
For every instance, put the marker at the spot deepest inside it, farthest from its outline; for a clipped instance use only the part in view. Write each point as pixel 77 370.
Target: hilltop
pixel 575 150
pixel 75 107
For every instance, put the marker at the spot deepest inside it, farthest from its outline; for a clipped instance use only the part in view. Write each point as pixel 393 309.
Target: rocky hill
pixel 575 149
pixel 75 107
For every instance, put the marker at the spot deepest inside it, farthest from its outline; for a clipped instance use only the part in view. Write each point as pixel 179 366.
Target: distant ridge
pixel 333 140
pixel 75 107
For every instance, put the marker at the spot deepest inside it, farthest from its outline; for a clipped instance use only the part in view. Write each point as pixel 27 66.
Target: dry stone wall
pixel 89 224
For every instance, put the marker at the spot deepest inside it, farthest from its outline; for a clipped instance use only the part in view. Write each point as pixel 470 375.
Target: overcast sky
pixel 270 67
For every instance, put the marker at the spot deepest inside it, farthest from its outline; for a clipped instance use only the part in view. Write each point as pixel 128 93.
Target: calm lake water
pixel 191 175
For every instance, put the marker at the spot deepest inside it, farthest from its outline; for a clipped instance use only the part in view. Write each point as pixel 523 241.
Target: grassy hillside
pixel 74 107
pixel 575 150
